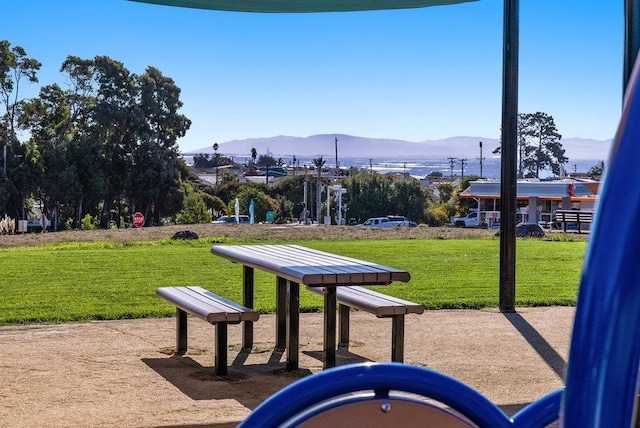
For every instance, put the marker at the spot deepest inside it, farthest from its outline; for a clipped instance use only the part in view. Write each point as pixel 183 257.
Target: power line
pixel 462 162
pixel 452 162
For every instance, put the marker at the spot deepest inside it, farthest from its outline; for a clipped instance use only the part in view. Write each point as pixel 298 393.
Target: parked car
pixel 389 221
pixel 405 221
pixel 36 225
pixel 244 219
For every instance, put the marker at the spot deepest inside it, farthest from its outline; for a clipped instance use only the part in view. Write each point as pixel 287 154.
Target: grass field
pixel 76 282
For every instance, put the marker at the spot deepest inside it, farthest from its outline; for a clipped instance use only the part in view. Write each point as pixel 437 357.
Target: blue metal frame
pixel 332 383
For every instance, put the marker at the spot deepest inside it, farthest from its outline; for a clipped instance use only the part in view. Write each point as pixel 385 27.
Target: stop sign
pixel 138 219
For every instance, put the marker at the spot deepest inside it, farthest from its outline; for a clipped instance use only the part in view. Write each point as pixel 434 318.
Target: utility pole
pixel 452 162
pixel 462 162
pixel 337 164
pixel 481 160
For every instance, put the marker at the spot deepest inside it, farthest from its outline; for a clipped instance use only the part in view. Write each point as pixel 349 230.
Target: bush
pixel 87 223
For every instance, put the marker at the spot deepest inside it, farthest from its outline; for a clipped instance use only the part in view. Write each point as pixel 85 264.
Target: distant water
pixel 421 167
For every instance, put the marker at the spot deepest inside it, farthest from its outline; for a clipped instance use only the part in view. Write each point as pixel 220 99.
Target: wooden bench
pixel 574 216
pixel 210 307
pixel 381 305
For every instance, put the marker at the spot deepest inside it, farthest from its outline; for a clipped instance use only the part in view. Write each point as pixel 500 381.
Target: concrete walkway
pixel 121 373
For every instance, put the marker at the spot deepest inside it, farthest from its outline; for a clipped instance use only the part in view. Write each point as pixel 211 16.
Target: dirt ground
pixel 257 232
pixel 123 373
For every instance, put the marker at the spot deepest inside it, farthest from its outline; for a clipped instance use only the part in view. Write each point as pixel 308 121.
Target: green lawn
pixel 79 282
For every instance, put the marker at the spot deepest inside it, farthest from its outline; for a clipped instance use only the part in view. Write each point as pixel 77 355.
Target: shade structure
pixel 302 6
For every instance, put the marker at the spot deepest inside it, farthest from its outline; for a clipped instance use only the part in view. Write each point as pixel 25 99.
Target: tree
pixel 266 161
pixel 254 154
pixel 408 198
pixel 319 164
pixel 463 206
pixel 445 190
pixel 261 202
pixel 17 180
pixel 214 203
pixel 540 130
pixel 597 170
pixel 195 209
pixel 14 66
pixel 539 146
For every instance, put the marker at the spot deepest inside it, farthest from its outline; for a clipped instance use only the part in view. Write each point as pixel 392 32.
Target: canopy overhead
pixel 301 6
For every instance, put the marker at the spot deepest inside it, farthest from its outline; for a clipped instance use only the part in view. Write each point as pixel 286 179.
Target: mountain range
pixel 376 148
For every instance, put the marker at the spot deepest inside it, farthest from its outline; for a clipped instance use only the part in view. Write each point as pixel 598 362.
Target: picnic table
pixel 294 265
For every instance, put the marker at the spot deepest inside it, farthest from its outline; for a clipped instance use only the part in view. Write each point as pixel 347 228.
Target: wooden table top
pixel 310 267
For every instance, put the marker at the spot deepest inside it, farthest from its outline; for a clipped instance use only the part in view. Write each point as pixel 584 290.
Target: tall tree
pixel 17 180
pixel 14 67
pixel 539 146
pixel 156 149
pixel 539 129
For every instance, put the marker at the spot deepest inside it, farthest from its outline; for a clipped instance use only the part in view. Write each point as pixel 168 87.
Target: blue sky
pixel 419 74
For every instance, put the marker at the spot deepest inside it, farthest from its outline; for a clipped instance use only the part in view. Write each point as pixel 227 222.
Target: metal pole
pixel 304 212
pixel 631 38
pixel 508 181
pixel 481 159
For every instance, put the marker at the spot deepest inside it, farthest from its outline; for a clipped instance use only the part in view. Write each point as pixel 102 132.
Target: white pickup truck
pixel 470 220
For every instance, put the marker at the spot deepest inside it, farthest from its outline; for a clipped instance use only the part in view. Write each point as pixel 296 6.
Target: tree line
pixel 92 152
pixel 104 145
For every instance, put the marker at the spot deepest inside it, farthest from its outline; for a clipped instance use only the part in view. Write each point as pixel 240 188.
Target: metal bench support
pixel 397 338
pixel 343 325
pixel 181 331
pixel 220 358
pixel 382 306
pixel 215 310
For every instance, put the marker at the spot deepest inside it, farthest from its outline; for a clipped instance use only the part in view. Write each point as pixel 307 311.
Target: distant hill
pixel 352 146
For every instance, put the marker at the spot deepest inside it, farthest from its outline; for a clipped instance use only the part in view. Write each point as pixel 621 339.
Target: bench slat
pixel 381 305
pixel 208 306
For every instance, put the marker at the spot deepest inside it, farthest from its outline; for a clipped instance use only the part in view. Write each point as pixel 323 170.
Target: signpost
pixel 138 219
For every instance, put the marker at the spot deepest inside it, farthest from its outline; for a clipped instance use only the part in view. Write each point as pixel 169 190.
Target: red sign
pixel 138 219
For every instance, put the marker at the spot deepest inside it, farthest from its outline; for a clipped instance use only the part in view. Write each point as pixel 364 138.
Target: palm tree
pixel 254 154
pixel 319 163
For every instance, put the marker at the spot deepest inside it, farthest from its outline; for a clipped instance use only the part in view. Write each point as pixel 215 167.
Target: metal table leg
pixel 293 325
pixel 281 313
pixel 247 301
pixel 330 302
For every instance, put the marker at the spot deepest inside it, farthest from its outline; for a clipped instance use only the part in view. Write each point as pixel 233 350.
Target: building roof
pixel 556 189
